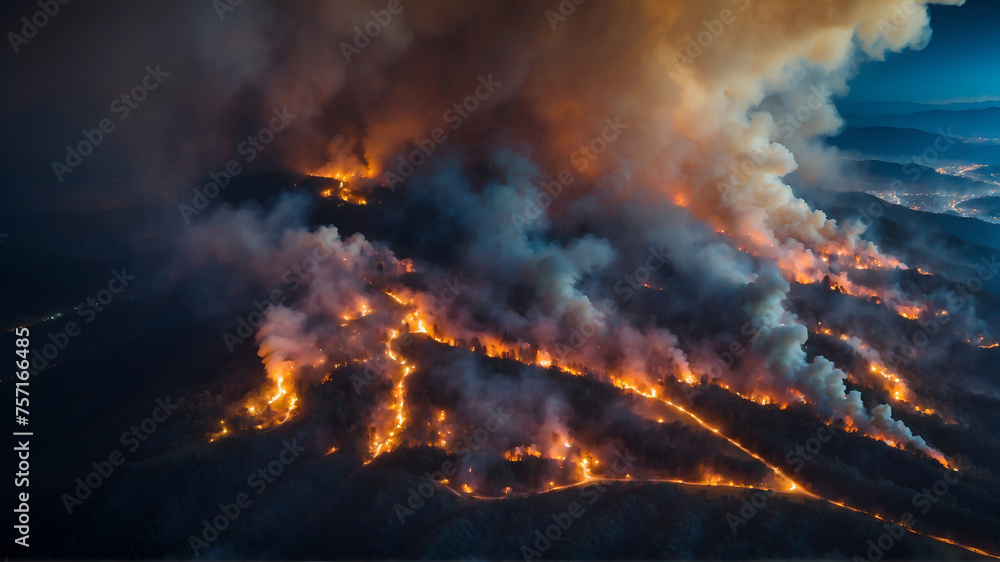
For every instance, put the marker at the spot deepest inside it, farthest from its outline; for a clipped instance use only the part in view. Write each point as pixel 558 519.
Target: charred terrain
pixel 670 463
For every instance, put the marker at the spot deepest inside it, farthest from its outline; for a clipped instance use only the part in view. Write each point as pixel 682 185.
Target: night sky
pixel 961 63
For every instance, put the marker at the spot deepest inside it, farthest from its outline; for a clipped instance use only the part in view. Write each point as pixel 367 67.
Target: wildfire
pixel 495 347
pixel 891 382
pixel 414 321
pixel 399 397
pixel 343 189
pixel 417 321
pixel 902 306
pixel 544 360
pixel 911 312
pixel 267 408
pixel 281 390
pixel 807 268
pixel 790 485
pixel 518 453
pixel 894 384
pixel 414 317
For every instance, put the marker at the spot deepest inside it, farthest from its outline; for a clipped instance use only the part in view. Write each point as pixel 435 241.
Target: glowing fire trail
pixel 792 486
pixel 468 494
pixel 892 382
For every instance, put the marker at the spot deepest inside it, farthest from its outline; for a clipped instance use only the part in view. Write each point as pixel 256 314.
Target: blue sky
pixel 961 63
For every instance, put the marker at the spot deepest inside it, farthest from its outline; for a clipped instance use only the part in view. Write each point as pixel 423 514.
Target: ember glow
pixel 343 189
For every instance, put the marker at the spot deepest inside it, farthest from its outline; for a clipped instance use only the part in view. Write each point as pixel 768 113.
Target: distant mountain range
pixel 967 123
pixel 912 146
pixel 876 108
